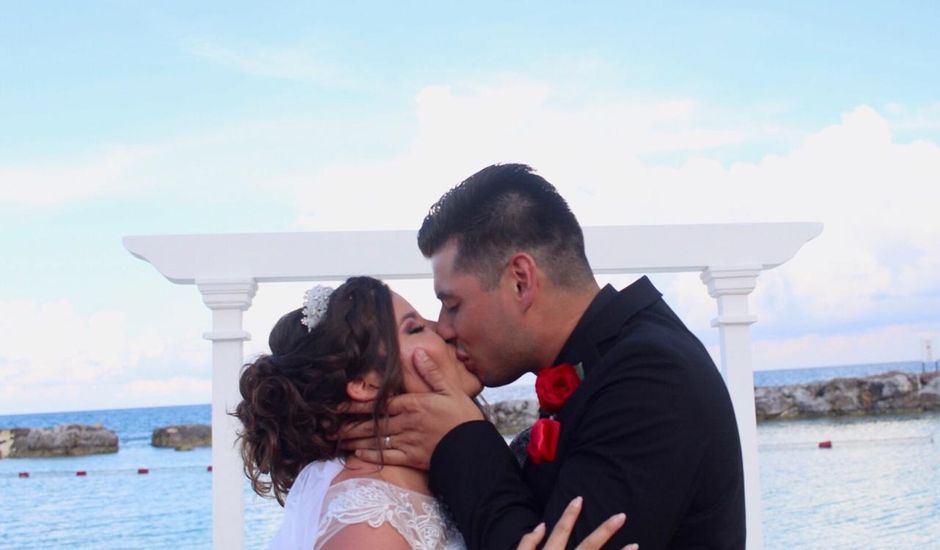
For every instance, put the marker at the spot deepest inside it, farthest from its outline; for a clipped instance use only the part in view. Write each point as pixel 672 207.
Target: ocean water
pixel 877 487
pixel 113 506
pixel 821 374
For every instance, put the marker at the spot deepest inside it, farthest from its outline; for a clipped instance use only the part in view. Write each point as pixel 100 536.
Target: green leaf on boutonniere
pixel 579 368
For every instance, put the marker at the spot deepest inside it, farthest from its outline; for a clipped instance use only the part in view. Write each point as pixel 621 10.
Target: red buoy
pixel 143 470
pixel 23 474
pixel 81 473
pixel 825 444
pixel 209 468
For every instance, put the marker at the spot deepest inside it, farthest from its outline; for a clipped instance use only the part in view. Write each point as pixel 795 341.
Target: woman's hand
pixel 558 540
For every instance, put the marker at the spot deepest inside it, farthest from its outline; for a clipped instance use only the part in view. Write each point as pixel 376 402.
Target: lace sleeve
pixel 377 505
pixel 361 535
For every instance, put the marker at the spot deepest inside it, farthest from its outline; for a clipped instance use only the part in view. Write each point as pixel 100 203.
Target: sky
pixel 139 118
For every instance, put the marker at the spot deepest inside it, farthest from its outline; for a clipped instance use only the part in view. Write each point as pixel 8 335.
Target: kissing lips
pixel 464 358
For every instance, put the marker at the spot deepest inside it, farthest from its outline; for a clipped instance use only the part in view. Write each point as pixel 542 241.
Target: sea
pixel 878 486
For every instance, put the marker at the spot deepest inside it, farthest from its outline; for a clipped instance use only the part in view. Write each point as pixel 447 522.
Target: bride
pixel 353 344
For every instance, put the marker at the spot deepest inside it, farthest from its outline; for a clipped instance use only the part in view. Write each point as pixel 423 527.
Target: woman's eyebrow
pixel 410 315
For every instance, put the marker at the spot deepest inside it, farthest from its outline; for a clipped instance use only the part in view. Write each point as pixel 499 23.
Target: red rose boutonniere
pixel 553 386
pixel 543 440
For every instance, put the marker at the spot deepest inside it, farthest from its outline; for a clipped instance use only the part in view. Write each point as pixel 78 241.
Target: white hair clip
pixel 315 302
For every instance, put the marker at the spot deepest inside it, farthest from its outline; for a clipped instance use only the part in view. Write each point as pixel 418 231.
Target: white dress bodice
pixel 316 511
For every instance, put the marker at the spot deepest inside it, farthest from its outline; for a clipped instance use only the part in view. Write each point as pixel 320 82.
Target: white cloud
pixel 886 344
pixel 281 62
pixel 178 389
pixel 876 196
pixel 903 117
pixel 49 183
pixel 53 357
pixel 846 297
pixel 460 132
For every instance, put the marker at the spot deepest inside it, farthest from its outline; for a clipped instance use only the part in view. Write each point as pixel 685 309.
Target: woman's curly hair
pixel 291 399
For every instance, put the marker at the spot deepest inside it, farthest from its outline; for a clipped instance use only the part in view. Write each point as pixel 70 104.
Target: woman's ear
pixel 365 388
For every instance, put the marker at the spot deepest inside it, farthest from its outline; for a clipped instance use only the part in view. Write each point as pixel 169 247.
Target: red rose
pixel 543 440
pixel 554 385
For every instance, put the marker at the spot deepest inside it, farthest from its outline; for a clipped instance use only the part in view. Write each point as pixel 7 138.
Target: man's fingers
pixel 355 430
pixel 388 457
pixel 360 443
pixel 599 537
pixel 361 430
pixel 356 407
pixel 562 529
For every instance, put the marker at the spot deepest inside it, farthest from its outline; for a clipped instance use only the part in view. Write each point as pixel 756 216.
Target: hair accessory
pixel 315 302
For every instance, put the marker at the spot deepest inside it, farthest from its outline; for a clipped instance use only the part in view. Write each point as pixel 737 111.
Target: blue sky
pixel 120 118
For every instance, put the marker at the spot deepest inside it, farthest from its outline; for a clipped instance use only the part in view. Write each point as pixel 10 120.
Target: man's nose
pixel 444 329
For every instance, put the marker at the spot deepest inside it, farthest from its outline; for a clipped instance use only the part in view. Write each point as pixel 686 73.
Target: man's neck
pixel 560 318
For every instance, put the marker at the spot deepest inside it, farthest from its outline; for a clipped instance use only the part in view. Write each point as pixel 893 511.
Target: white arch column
pixel 228 299
pixel 731 286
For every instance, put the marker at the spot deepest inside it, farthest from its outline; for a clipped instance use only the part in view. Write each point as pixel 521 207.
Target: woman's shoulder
pixel 367 503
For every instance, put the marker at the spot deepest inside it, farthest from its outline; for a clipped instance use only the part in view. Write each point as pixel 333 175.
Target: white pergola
pixel 227 268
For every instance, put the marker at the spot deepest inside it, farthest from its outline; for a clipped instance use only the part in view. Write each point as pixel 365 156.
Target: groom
pixel 648 431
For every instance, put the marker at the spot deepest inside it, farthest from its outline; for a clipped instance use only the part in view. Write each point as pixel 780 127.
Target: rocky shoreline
pixel 512 416
pixel 64 440
pixel 184 437
pixel 892 392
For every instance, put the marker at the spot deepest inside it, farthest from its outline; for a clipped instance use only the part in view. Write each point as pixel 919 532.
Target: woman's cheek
pixel 405 352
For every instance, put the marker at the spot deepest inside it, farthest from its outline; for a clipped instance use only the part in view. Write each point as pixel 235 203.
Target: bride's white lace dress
pixel 316 511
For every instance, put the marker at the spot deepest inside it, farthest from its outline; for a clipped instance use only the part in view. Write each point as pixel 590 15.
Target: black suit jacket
pixel 650 432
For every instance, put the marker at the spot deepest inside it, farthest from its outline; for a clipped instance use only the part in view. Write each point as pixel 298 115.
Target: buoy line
pixel 106 472
pixel 834 443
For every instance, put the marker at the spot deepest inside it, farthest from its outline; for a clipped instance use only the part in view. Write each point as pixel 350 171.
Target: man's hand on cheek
pixel 417 421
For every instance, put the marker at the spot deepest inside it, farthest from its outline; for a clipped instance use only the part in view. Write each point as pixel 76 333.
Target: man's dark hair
pixel 501 210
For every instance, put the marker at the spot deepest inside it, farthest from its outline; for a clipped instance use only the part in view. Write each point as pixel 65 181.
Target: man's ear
pixel 523 273
pixel 365 388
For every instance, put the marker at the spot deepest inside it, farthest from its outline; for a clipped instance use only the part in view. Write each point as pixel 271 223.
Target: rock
pixel 930 391
pixel 892 392
pixel 808 401
pixel 771 403
pixel 183 437
pixel 512 416
pixel 64 440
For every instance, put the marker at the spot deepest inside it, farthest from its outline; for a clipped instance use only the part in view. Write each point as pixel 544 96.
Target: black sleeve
pixel 476 476
pixel 637 449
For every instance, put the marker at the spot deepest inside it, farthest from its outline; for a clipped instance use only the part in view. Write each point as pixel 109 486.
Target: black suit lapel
pixel 603 320
pixel 594 334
